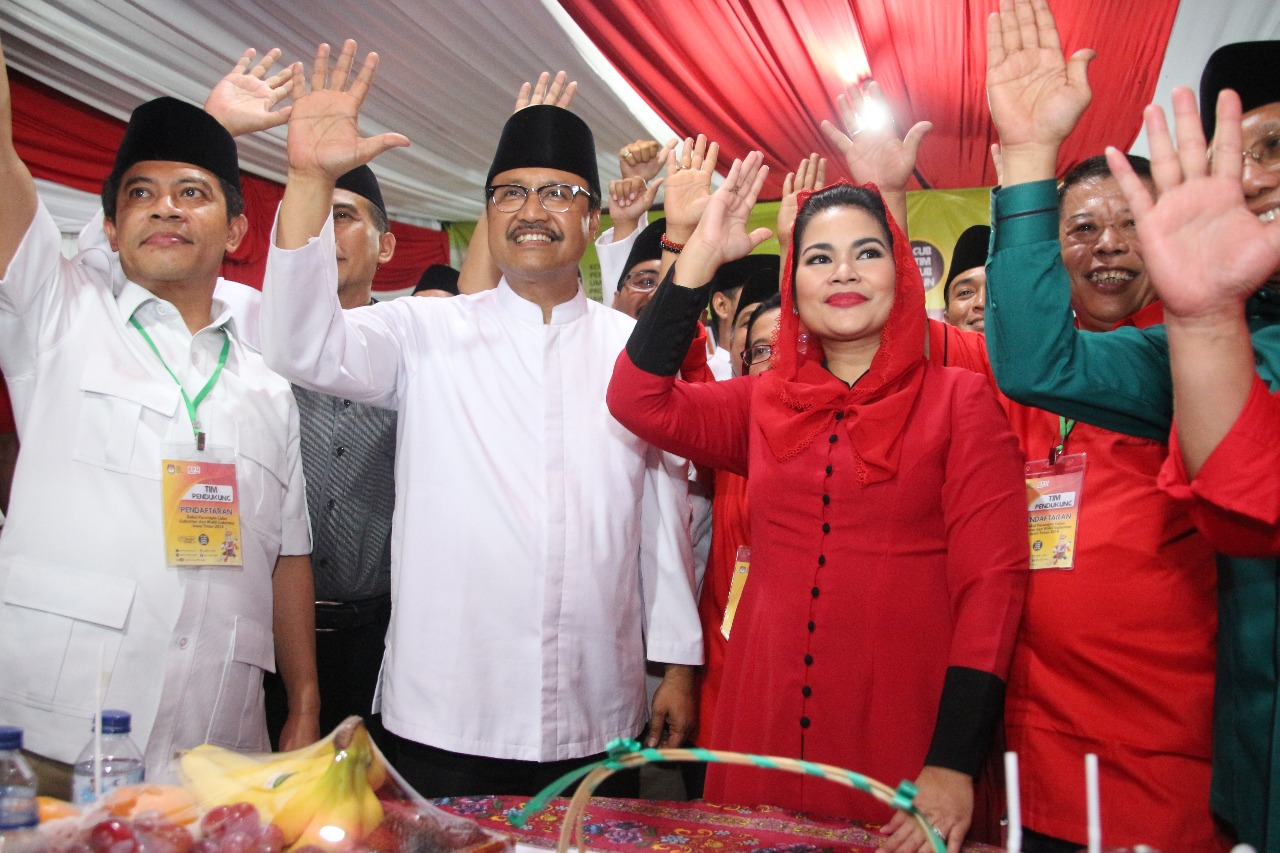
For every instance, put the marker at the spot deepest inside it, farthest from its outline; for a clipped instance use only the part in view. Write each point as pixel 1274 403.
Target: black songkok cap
pixel 647 247
pixel 737 272
pixel 438 277
pixel 363 183
pixel 970 251
pixel 1248 67
pixel 173 130
pixel 547 137
pixel 760 286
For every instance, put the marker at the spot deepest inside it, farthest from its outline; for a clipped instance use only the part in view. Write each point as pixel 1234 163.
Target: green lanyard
pixel 192 405
pixel 1065 425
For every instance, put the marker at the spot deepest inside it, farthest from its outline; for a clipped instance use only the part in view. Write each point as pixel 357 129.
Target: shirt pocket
pixel 54 624
pixel 239 718
pixel 124 417
pixel 264 478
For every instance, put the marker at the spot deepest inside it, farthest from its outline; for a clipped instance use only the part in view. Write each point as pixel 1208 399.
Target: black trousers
pixel 350 640
pixel 436 773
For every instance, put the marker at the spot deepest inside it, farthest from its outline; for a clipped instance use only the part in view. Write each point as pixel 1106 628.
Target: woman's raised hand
pixel 721 234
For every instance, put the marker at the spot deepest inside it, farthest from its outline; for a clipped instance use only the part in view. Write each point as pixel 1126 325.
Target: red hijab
pixel 798 400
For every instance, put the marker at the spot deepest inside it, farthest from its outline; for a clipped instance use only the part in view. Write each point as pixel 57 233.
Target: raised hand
pixel 811 174
pixel 874 154
pixel 629 199
pixel 688 185
pixel 721 234
pixel 555 92
pixel 324 131
pixel 245 100
pixel 1036 96
pixel 1205 251
pixel 644 158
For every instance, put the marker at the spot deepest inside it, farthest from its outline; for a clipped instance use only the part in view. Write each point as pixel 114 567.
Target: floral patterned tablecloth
pixel 628 825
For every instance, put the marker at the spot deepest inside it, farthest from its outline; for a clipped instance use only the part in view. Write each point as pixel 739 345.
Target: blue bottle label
pixel 17 807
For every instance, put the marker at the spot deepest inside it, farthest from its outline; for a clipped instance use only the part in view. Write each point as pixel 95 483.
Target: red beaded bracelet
pixel 668 246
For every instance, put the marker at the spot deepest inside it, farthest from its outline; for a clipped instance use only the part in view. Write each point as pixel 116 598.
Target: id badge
pixel 741 565
pixel 1054 493
pixel 201 502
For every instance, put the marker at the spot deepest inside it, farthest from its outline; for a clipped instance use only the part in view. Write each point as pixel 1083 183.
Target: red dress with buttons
pixel 859 596
pixel 889 546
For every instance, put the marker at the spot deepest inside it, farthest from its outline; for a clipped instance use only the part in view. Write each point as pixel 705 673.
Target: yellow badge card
pixel 1054 493
pixel 201 513
pixel 741 566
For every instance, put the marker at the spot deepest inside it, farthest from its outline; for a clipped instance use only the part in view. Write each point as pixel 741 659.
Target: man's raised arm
pixel 325 142
pixel 16 184
pixel 306 336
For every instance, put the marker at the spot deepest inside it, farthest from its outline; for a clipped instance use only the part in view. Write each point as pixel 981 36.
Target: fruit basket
pixel 338 795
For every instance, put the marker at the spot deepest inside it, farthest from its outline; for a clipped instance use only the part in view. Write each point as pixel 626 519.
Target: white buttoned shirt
pixel 539 549
pixel 82 565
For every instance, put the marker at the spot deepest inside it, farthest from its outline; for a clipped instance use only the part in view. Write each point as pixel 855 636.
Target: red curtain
pixel 764 73
pixel 64 141
pixel 748 73
pixel 930 59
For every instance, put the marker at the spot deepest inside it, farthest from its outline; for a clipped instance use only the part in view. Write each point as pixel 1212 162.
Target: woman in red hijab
pixel 889 543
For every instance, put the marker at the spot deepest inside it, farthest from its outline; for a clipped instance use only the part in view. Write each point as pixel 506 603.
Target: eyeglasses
pixel 756 355
pixel 642 281
pixel 555 198
pixel 1265 152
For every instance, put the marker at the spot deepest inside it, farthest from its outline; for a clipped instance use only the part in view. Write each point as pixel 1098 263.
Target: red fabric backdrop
pixel 64 141
pixel 782 63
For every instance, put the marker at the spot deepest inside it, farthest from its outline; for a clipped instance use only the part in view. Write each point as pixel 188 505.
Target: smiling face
pixel 1261 128
pixel 844 275
pixel 1102 254
pixel 967 300
pixel 170 225
pixel 361 246
pixel 534 244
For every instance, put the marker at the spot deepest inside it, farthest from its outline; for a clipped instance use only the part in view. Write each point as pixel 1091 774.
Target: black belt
pixel 344 615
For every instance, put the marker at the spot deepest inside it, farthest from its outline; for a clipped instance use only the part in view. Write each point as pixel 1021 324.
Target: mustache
pixel 520 229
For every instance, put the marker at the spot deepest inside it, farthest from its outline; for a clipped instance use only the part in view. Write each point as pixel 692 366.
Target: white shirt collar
pixel 530 312
pixel 132 296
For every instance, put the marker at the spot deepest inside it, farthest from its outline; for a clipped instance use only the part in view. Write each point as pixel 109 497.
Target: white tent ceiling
pixel 448 76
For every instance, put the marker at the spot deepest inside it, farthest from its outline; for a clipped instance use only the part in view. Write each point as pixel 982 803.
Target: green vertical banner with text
pixel 936 219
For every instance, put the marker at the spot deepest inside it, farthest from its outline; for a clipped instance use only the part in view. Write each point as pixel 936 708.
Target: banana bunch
pixel 322 794
pixel 220 776
pixel 338 810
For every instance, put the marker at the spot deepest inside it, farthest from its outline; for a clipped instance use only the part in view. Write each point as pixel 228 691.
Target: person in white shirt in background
pixel 630 198
pixel 540 550
pixel 98 369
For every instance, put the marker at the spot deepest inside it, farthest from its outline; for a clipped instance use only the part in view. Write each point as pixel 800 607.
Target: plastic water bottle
pixel 121 761
pixel 18 812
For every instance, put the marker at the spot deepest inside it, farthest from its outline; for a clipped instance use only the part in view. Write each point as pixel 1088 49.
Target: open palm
pixel 324 130
pixel 1035 95
pixel 874 154
pixel 1204 249
pixel 245 100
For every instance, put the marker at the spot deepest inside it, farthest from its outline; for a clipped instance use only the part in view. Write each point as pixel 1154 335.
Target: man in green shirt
pixel 1121 380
